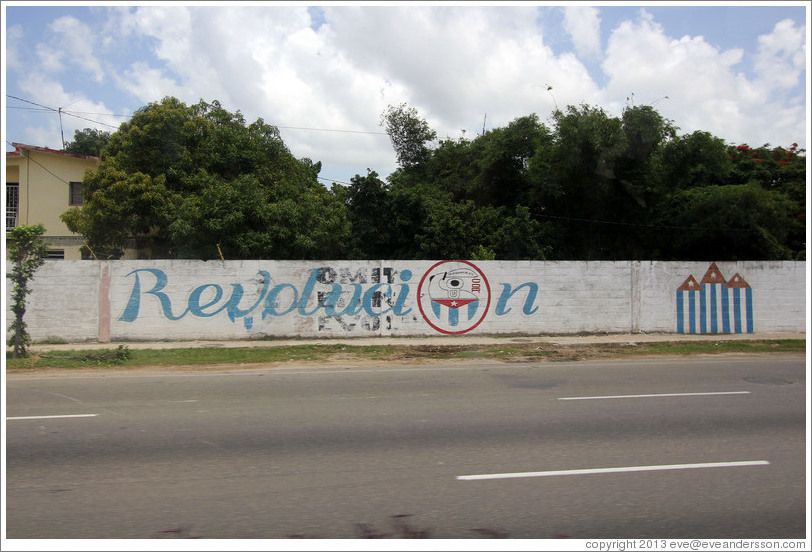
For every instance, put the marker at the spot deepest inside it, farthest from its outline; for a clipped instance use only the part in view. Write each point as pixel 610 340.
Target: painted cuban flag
pixel 688 305
pixel 741 301
pixel 713 302
pixel 715 305
pixel 454 308
pixel 452 298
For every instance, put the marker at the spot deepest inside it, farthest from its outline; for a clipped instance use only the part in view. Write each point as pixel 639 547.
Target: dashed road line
pixel 625 469
pixel 49 417
pixel 650 395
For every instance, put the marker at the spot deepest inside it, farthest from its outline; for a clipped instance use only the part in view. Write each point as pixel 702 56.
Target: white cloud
pixel 781 55
pixel 50 58
pixel 50 129
pixel 455 64
pixel 584 27
pixel 707 88
pixel 74 40
pixel 148 84
pixel 641 59
pixel 14 38
pixel 169 25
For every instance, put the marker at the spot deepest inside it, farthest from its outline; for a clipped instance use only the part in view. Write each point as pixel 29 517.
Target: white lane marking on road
pixel 45 417
pixel 654 395
pixel 612 470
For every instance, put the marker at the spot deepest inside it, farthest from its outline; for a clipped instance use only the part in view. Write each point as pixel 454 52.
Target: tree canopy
pixel 89 141
pixel 199 182
pixel 596 187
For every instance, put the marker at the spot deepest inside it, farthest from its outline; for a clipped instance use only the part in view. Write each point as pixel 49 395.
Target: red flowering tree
pixel 779 170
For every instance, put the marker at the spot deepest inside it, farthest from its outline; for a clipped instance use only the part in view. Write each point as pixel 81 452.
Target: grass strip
pixel 382 353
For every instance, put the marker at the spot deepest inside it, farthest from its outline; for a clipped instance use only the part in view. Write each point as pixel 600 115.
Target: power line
pixel 46 169
pixel 334 181
pixel 26 108
pixel 90 120
pixel 32 103
pixel 331 130
pixel 78 115
pixel 97 113
pixel 661 226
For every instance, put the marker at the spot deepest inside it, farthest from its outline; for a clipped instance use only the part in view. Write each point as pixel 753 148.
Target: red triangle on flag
pixel 713 276
pixel 454 303
pixel 737 282
pixel 690 284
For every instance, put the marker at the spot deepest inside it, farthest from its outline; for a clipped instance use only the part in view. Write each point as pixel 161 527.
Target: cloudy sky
pixel 323 75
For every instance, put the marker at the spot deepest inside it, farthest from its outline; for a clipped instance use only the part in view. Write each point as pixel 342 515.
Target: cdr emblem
pixel 454 296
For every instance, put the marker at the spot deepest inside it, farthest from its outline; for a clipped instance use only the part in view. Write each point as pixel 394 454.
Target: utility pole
pixel 61 130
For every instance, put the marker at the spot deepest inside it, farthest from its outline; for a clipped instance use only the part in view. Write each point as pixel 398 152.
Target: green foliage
pixel 120 355
pixel 89 141
pixel 26 250
pixel 696 159
pixel 482 253
pixel 409 134
pixel 735 222
pixel 370 213
pixel 197 181
pixel 599 187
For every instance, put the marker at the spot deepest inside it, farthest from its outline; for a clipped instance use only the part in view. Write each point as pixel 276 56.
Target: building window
pixel 76 193
pixel 12 203
pixel 56 255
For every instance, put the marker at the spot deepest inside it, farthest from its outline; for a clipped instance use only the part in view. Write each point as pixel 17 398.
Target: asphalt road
pixel 672 448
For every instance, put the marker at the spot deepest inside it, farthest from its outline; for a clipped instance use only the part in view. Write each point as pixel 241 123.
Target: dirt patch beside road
pixel 350 356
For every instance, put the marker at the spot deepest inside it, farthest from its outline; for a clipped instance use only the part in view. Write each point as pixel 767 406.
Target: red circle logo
pixel 454 296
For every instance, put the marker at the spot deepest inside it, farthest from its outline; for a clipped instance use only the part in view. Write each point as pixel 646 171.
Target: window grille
pixel 12 204
pixel 76 193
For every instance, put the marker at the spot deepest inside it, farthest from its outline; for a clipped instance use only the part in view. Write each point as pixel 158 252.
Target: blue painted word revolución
pixel 335 296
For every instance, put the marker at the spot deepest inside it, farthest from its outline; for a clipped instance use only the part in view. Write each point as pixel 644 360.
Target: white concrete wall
pixel 64 303
pixel 129 301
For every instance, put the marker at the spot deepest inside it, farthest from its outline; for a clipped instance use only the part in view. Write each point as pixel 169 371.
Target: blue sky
pixel 325 74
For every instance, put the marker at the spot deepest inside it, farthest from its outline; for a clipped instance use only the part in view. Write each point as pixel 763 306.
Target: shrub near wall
pixel 187 300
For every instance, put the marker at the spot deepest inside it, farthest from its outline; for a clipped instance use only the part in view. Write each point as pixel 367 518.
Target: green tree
pixel 453 230
pixel 696 159
pixel 492 169
pixel 776 170
pixel 466 197
pixel 579 191
pixel 595 187
pixel 733 222
pixel 369 209
pixel 410 201
pixel 410 134
pixel 26 250
pixel 89 141
pixel 197 182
